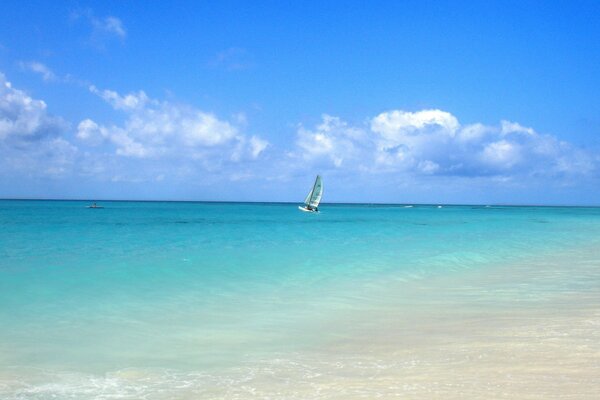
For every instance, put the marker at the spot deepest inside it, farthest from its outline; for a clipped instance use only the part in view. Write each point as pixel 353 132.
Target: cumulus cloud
pixel 23 117
pixel 406 139
pixel 398 125
pixel 434 142
pixel 507 127
pixel 332 140
pixel 130 101
pixel 156 141
pixel 88 130
pixel 155 129
pixel 257 146
pixel 31 139
pixel 502 154
pixel 51 158
pixel 163 141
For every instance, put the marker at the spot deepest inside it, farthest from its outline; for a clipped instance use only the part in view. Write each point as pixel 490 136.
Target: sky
pixel 476 102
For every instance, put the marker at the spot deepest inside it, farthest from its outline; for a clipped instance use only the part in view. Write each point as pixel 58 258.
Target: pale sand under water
pixel 509 332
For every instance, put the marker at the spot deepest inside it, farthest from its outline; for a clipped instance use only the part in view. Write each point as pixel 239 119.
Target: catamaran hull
pixel 306 210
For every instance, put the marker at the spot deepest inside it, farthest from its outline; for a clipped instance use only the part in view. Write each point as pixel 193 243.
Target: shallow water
pixel 163 300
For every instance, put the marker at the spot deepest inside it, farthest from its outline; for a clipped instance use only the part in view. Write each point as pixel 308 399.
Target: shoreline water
pixel 460 325
pixel 508 343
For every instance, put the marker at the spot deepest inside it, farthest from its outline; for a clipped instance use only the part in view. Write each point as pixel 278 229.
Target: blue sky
pixel 435 102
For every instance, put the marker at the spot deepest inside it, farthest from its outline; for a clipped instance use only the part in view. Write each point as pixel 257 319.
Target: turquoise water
pixel 205 287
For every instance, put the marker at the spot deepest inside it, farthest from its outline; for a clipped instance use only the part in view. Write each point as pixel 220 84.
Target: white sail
pixel 308 196
pixel 314 196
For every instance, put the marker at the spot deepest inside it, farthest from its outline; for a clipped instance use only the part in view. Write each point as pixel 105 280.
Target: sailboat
pixel 311 203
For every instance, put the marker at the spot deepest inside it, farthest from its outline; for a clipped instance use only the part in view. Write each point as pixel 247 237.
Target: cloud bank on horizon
pixel 162 141
pixel 433 142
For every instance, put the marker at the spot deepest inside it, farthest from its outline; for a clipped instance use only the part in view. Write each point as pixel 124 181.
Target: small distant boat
pixel 311 203
pixel 94 205
pixel 439 206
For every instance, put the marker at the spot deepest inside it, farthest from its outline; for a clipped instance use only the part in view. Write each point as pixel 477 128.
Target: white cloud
pixel 428 167
pixel 204 129
pixel 405 139
pixel 51 157
pixel 23 117
pixel 473 132
pixel 155 129
pixel 508 127
pixel 257 146
pixel 40 69
pixel 399 126
pixel 502 154
pixel 111 25
pixel 88 130
pixel 433 142
pixel 103 29
pixel 163 141
pixel 130 101
pixel 333 140
pixel 31 140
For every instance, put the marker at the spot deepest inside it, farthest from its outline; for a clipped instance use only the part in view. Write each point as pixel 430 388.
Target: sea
pixel 199 300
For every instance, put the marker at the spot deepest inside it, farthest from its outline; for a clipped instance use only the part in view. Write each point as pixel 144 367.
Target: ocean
pixel 192 300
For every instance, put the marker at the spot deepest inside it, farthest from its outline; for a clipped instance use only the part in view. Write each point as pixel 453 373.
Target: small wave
pixel 298 378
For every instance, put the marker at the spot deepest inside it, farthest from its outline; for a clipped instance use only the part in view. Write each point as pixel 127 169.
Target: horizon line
pixel 300 202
